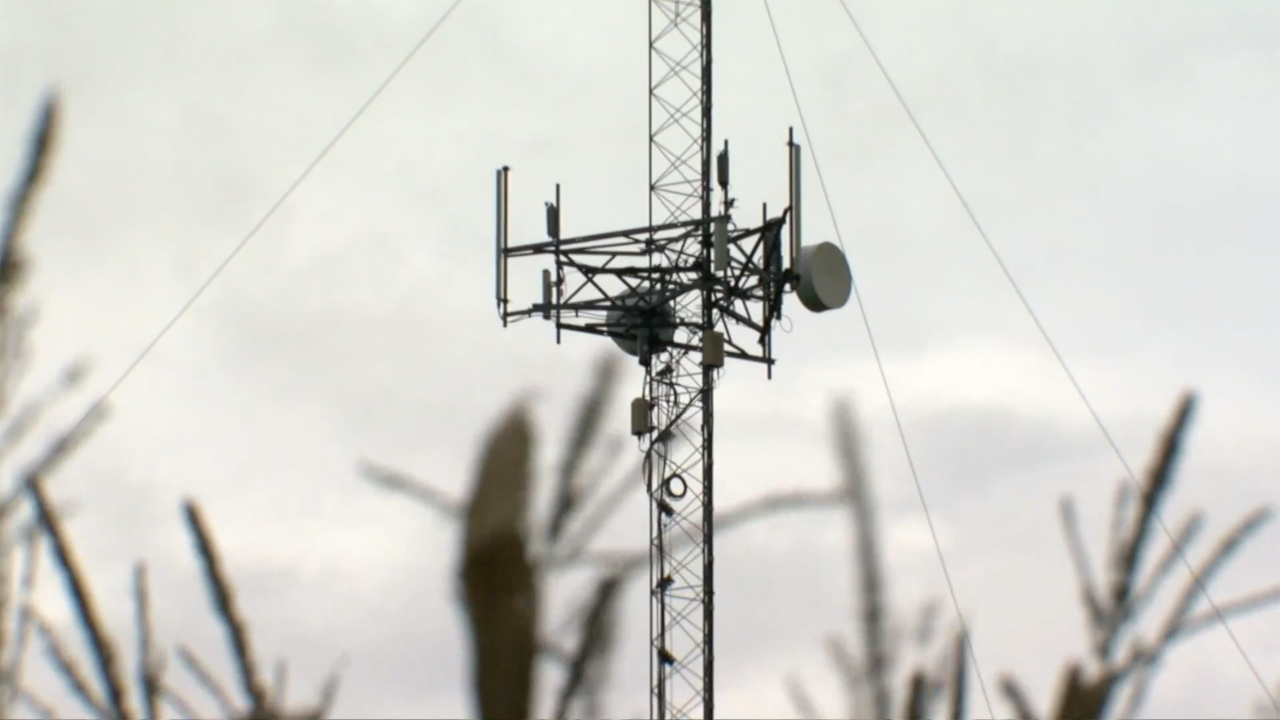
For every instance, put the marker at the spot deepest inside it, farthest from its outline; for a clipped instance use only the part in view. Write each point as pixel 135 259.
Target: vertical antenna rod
pixel 680 392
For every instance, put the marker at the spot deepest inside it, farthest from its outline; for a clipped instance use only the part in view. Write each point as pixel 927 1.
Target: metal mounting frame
pixel 691 275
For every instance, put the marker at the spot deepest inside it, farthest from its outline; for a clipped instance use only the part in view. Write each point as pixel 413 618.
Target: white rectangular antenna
pixel 720 246
pixel 712 349
pixel 640 410
pixel 500 241
pixel 722 167
pixel 793 164
pixel 546 295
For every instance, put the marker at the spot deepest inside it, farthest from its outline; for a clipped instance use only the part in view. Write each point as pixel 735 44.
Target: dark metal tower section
pixel 681 391
pixel 682 294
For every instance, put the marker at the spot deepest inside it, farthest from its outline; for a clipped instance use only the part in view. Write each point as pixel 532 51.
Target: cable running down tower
pixel 681 294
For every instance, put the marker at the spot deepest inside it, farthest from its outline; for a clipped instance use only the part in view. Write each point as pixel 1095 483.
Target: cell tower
pixel 681 294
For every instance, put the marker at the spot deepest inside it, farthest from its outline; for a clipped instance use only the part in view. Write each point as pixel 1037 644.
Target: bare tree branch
pixel 499 581
pixel 586 429
pixel 596 637
pixel 959 677
pixel 76 679
pixel 404 484
pixel 1183 537
pixel 148 668
pixel 1018 698
pixel 1095 615
pixel 39 707
pixel 205 678
pixel 801 700
pixel 180 705
pixel 78 592
pixel 866 534
pixel 1179 623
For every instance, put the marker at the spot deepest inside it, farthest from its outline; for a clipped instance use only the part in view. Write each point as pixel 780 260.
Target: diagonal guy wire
pixel 884 380
pixel 271 211
pixel 1057 354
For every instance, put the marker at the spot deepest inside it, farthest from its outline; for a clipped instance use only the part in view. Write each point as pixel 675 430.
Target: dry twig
pixel 582 439
pixel 593 647
pixel 149 667
pixel 104 651
pixel 224 605
pixel 872 673
pixel 1114 607
pixel 76 679
pixel 205 678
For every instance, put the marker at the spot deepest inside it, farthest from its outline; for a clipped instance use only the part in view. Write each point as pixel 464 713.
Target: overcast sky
pixel 1118 154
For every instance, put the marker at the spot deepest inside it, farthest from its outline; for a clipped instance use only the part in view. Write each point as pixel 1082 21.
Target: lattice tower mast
pixel 682 294
pixel 681 392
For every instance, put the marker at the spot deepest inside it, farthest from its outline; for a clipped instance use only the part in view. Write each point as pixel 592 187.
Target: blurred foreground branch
pixel 1123 662
pixel 503 574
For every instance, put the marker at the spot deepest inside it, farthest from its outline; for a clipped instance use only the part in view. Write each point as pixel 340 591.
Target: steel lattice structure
pixel 682 391
pixel 681 294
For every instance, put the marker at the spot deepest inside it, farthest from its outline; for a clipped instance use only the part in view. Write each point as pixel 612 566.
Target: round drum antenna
pixel 825 279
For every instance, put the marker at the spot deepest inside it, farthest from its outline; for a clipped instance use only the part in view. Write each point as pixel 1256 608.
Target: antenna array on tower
pixel 681 294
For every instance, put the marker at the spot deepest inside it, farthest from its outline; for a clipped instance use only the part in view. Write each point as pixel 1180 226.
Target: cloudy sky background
pixel 1123 157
